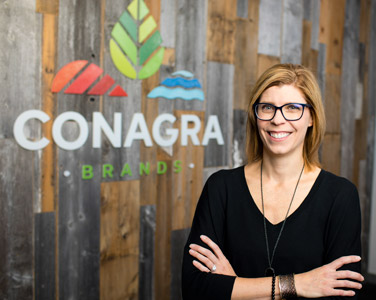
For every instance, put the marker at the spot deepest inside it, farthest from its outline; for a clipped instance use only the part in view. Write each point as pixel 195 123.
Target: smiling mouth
pixel 279 135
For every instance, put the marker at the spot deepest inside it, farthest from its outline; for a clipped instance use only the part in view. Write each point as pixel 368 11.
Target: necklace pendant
pixel 269 272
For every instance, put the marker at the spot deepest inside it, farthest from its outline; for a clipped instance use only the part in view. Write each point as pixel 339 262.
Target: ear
pixel 310 124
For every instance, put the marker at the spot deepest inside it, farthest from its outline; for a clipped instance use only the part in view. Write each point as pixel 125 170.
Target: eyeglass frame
pixel 280 108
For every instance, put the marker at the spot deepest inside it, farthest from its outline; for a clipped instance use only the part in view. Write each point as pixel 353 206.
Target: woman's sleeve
pixel 209 220
pixel 344 229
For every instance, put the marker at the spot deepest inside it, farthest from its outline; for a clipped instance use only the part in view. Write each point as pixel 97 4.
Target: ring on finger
pixel 213 268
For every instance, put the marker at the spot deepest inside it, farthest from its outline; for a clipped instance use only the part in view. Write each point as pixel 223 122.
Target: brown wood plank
pixel 188 183
pixel 306 43
pixel 119 242
pixel 47 6
pixel 49 156
pixel 331 153
pixel 365 15
pixel 245 74
pixel 164 215
pixel 331 32
pixel 332 103
pixel 264 62
pixel 221 31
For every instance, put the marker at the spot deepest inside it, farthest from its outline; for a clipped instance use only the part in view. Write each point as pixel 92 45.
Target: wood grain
pixel 221 31
pixel 331 152
pixel 119 244
pixel 187 184
pixel 47 6
pixel 49 156
pixel 264 62
pixel 269 36
pixel 306 43
pixel 44 253
pixel 291 39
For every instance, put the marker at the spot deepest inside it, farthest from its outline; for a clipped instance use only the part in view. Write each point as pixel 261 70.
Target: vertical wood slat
pixel 220 82
pixel 269 36
pixel 119 244
pixel 242 9
pixel 78 221
pixel 239 156
pixel 221 31
pixel 190 48
pixel 168 23
pixel 187 183
pixel 349 80
pixel 245 60
pixel 44 252
pixel 291 46
pixel 49 50
pixel 16 222
pixel 146 256
pixel 47 6
pixel 264 62
pixel 164 215
pixel 127 106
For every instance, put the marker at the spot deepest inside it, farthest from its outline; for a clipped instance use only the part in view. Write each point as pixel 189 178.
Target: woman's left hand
pixel 210 261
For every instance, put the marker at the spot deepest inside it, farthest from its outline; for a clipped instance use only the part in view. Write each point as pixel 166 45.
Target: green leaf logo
pixel 134 45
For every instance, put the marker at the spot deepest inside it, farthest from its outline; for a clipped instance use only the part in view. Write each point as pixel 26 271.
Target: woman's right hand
pixel 328 280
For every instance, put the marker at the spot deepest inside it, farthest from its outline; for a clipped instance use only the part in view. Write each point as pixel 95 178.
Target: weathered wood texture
pixel 119 245
pixel 44 249
pixel 120 236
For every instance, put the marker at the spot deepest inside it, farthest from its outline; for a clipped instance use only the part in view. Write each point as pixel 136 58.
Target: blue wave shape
pixel 182 82
pixel 183 73
pixel 175 93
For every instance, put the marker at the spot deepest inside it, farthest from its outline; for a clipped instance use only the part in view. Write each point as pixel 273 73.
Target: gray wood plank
pixel 315 29
pixel 220 82
pixel 291 48
pixel 239 157
pixel 79 222
pixel 168 23
pixel 79 39
pixel 350 62
pixel 242 9
pixel 321 69
pixel 20 33
pixel 118 157
pixel 371 141
pixel 178 240
pixel 270 23
pixel 146 258
pixel 44 255
pixel 16 221
pixel 191 45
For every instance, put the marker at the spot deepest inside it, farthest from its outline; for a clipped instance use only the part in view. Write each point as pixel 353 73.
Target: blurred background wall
pixel 120 233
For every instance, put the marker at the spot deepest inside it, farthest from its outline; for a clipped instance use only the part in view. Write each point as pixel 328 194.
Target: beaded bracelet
pixel 287 286
pixel 273 287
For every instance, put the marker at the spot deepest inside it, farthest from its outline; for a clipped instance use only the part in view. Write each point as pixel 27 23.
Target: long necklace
pixel 269 271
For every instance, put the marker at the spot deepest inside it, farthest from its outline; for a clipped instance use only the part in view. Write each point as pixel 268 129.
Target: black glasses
pixel 290 111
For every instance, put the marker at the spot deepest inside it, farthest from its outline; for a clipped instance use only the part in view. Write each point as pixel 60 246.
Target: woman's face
pixel 281 137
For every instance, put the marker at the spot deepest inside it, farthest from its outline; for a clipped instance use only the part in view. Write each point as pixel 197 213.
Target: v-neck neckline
pixel 296 211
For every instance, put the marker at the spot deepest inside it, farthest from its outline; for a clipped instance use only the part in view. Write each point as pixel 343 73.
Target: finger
pixel 349 275
pixel 217 251
pixel 339 262
pixel 200 266
pixel 204 251
pixel 203 259
pixel 342 293
pixel 348 284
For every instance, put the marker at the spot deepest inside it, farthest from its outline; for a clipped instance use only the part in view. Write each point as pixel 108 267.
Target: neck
pixel 281 169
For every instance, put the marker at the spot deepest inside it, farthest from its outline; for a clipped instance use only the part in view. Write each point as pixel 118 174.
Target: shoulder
pixel 226 176
pixel 336 184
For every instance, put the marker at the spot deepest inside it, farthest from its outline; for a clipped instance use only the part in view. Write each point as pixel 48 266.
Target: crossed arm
pixel 320 282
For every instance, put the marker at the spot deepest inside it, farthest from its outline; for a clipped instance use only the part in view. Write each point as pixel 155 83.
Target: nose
pixel 278 117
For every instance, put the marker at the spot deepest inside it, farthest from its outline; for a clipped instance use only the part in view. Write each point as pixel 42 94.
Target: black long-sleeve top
pixel 326 226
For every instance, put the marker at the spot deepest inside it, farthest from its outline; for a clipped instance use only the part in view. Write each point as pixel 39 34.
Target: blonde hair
pixel 303 79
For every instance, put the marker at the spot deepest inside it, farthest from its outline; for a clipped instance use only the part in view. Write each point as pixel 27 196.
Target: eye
pixel 292 107
pixel 266 107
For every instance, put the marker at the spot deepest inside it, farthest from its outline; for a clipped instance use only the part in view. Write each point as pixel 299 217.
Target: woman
pixel 281 214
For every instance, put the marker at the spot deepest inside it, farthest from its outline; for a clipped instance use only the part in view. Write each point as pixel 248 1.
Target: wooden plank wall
pixel 121 237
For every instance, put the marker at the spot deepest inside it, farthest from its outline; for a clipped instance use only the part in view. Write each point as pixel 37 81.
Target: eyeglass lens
pixel 292 111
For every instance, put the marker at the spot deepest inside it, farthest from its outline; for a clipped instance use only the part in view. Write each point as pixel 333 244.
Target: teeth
pixel 279 135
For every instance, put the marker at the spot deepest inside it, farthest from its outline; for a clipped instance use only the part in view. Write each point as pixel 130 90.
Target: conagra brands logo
pixel 136 52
